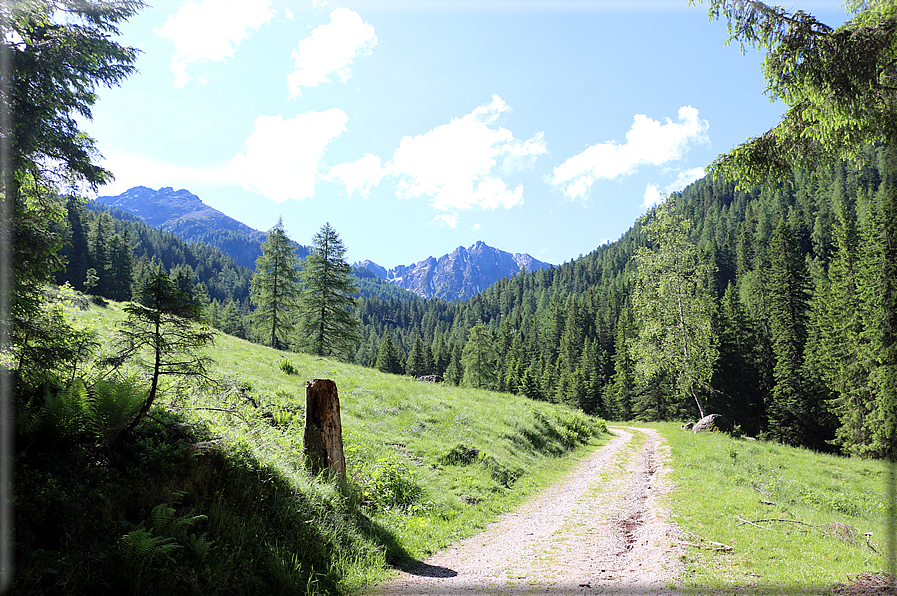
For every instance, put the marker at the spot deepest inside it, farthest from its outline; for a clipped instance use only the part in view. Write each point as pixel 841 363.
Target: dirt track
pixel 600 531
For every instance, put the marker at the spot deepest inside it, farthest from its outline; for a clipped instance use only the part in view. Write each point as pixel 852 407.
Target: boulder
pixel 431 379
pixel 712 423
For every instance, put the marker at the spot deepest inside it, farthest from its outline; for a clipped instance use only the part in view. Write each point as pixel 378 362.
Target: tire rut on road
pixel 602 530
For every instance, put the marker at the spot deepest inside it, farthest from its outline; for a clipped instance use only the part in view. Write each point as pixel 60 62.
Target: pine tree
pixel 389 359
pixel 787 289
pixel 275 286
pixel 121 267
pixel 327 299
pixel 162 326
pixel 480 358
pixel 416 365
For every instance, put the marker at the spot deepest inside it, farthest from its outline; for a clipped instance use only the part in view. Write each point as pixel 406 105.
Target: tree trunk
pixel 323 440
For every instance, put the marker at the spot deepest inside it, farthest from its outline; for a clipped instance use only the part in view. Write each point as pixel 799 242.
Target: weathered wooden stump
pixel 323 439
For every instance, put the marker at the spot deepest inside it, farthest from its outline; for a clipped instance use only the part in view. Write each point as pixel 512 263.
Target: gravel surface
pixel 602 530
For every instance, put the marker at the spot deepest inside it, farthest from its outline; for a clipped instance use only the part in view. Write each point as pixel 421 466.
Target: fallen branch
pixel 741 521
pixel 787 521
pixel 717 546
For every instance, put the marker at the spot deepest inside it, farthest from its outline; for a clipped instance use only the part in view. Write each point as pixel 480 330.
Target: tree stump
pixel 323 439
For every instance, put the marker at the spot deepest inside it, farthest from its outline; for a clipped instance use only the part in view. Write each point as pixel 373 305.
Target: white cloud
pixel 280 160
pixel 282 157
pixel 211 31
pixel 330 49
pixel 475 227
pixel 134 170
pixel 647 142
pixel 685 178
pixel 652 197
pixel 457 164
pixel 359 175
pixel 447 219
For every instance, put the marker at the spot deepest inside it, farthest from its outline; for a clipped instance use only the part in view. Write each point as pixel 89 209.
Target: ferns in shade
pixel 79 411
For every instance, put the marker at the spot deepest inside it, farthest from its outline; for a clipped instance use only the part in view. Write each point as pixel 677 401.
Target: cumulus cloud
pixel 281 160
pixel 446 219
pixel 458 164
pixel 132 170
pixel 653 196
pixel 282 157
pixel 359 175
pixel 685 178
pixel 647 142
pixel 330 49
pixel 211 31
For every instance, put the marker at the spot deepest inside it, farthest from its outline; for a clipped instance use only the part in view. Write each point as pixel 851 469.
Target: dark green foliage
pixel 480 359
pixel 327 300
pixel 162 336
pixel 275 286
pixel 389 360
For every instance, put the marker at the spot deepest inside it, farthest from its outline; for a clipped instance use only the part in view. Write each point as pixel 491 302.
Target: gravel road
pixel 602 530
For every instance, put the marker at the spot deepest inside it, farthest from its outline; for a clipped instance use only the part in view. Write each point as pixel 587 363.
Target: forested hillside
pixel 812 250
pixel 796 274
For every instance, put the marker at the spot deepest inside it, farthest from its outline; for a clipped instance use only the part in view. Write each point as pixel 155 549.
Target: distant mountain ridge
pixel 185 215
pixel 459 275
pixel 455 276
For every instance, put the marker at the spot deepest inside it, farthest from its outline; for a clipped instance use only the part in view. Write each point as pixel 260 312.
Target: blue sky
pixel 417 126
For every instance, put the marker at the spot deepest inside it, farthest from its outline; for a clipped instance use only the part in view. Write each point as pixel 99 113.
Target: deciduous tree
pixel 673 308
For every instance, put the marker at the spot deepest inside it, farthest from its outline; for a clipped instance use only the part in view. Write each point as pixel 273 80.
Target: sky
pixel 417 126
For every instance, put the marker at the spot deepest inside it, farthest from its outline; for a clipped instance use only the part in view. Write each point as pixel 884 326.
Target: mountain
pixel 459 275
pixel 185 215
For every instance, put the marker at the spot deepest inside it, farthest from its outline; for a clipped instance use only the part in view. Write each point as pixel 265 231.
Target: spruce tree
pixel 787 289
pixel 275 286
pixel 327 299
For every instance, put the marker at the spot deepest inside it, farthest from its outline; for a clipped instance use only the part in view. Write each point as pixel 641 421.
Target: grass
pixel 828 504
pixel 428 465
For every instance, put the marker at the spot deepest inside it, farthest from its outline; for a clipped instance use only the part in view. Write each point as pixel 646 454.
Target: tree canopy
pixel 839 85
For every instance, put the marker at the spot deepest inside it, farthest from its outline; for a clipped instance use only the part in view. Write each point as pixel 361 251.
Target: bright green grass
pixel 391 424
pixel 720 479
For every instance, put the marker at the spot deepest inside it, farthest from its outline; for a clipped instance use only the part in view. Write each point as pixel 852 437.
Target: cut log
pixel 323 439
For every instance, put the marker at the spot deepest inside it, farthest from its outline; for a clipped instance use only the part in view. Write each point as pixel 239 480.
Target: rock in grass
pixel 712 423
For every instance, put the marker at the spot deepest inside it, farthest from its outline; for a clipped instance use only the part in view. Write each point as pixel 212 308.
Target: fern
pixel 113 405
pixel 140 547
pixel 165 523
pixel 200 546
pixel 64 415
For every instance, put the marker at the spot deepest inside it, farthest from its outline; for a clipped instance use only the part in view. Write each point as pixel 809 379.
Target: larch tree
pixel 274 289
pixel 327 299
pixel 480 358
pixel 673 308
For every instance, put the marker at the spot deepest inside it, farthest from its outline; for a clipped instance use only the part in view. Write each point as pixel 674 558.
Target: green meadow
pixel 796 520
pixel 213 496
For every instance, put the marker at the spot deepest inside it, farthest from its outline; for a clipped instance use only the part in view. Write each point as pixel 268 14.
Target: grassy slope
pixel 275 529
pixel 720 479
